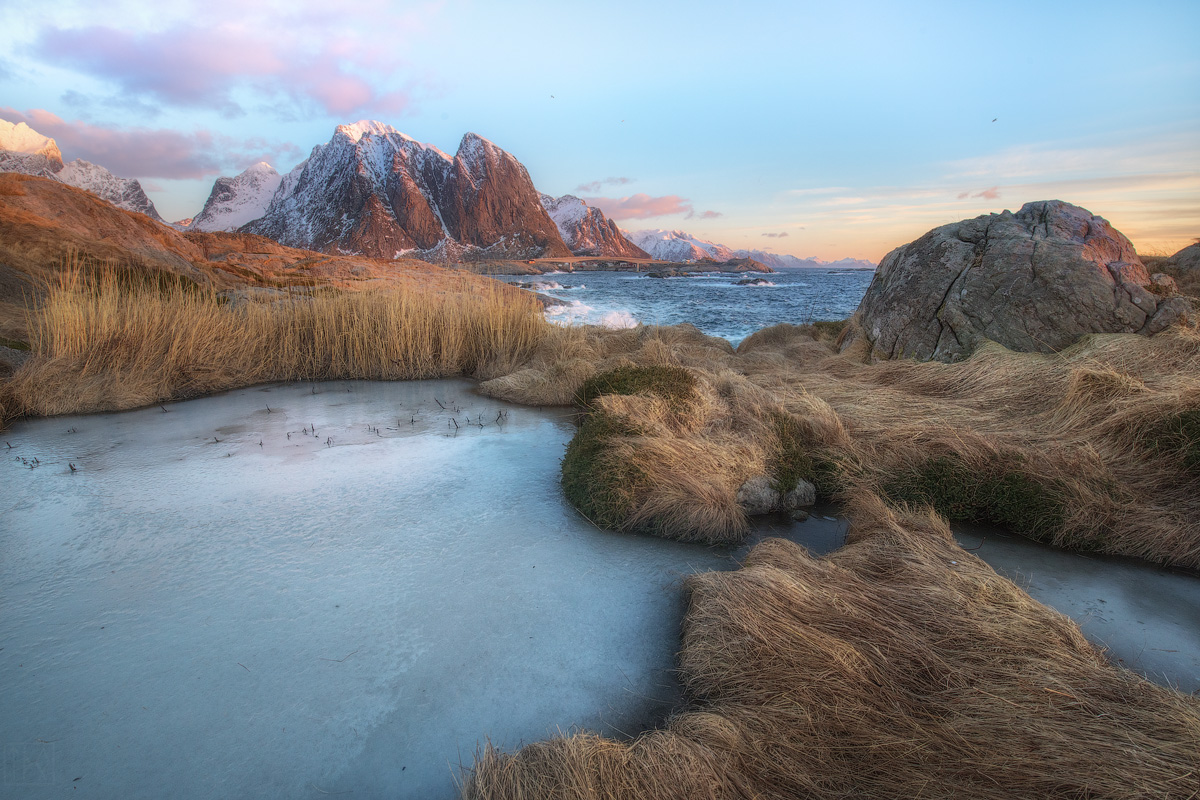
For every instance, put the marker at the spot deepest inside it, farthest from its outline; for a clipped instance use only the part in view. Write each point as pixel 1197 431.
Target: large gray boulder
pixel 1188 258
pixel 1034 281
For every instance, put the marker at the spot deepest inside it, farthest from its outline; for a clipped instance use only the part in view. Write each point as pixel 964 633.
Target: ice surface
pixel 345 593
pixel 193 614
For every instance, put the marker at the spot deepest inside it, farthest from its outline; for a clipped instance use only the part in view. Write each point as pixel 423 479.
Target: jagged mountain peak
pixel 21 138
pixel 474 151
pixel 22 149
pixel 261 168
pixel 357 130
pixel 374 191
pixel 236 201
pixel 586 230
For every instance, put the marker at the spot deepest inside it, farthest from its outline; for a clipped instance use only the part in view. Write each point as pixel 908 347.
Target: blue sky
pixel 826 129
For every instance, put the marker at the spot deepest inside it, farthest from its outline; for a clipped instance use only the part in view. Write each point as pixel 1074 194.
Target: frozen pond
pixel 347 592
pixel 194 614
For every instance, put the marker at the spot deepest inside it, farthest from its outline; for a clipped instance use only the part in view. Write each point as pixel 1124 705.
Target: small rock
pixel 803 496
pixel 757 496
pixel 1169 311
pixel 1164 283
pixel 798 514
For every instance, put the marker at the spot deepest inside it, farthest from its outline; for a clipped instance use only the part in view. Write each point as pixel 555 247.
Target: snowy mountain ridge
pixel 24 150
pixel 235 201
pixel 679 245
pixel 586 230
pixel 371 190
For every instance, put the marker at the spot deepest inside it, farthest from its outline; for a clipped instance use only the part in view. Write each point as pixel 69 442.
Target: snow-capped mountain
pixel 677 246
pixel 374 191
pixel 586 230
pixel 235 201
pixel 23 149
pixel 681 246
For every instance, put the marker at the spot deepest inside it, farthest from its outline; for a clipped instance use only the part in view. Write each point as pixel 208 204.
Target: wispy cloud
pixel 779 235
pixel 987 194
pixel 643 206
pixel 152 152
pixel 596 186
pixel 303 54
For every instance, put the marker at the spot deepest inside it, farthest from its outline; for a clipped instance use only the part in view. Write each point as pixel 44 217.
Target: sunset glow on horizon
pixel 789 127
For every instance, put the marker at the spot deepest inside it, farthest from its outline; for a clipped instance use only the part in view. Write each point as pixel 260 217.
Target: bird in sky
pixel 995 118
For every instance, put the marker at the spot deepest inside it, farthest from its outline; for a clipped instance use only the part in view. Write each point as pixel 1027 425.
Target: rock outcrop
pixel 24 150
pixel 374 191
pixel 586 230
pixel 1034 281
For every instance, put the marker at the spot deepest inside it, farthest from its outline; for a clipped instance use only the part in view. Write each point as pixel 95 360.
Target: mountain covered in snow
pixel 23 149
pixel 374 191
pixel 681 246
pixel 586 230
pixel 235 201
pixel 677 246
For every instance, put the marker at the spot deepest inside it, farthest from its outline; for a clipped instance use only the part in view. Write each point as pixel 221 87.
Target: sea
pixel 728 305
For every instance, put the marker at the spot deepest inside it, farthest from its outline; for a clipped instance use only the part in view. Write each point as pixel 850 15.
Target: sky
pixel 829 130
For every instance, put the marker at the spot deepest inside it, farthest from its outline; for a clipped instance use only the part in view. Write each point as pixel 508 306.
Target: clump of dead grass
pixel 104 341
pixel 1087 449
pixel 899 666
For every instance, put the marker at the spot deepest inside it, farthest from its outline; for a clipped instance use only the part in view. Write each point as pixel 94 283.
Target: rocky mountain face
pixel 24 150
pixel 1034 281
pixel 374 191
pixel 587 231
pixel 45 223
pixel 235 201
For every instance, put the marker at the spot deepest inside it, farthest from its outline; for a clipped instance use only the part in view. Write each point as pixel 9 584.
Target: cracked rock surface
pixel 1034 281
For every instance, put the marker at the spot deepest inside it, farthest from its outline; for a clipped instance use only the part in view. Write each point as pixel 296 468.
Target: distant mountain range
pixel 681 246
pixel 374 191
pixel 23 149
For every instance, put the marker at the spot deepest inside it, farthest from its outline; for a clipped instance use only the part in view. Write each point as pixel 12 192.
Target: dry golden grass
pixel 897 667
pixel 104 341
pixel 1060 444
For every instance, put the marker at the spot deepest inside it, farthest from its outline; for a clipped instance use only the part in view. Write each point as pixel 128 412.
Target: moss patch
pixel 830 329
pixel 675 384
pixel 13 344
pixel 795 457
pixel 1179 434
pixel 602 489
pixel 996 494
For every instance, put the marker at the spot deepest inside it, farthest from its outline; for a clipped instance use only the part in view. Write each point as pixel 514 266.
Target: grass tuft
pixel 674 384
pixel 1179 434
pixel 992 494
pixel 108 339
pixel 601 487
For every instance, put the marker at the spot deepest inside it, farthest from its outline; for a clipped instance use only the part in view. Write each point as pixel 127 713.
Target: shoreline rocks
pixel 1033 281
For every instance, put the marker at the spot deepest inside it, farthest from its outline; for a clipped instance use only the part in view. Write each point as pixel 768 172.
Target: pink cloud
pixel 643 206
pixel 307 61
pixel 776 235
pixel 987 194
pixel 152 152
pixel 596 186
